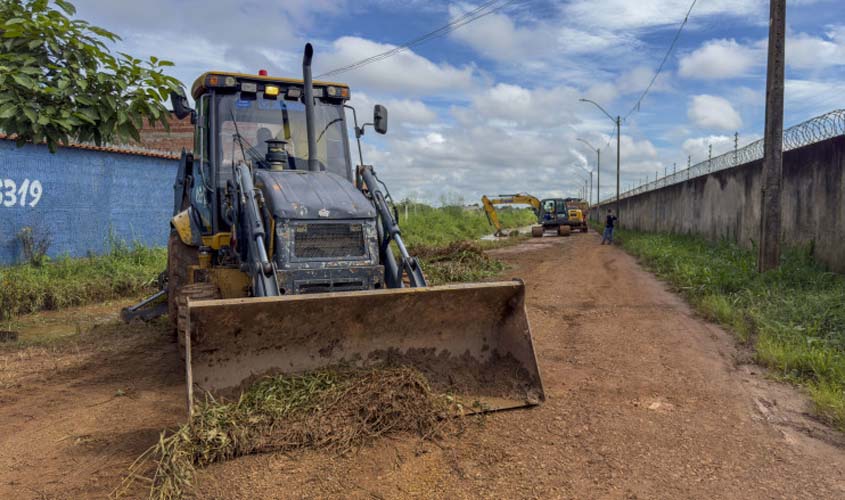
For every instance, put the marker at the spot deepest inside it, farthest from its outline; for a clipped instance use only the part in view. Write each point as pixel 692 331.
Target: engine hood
pixel 296 194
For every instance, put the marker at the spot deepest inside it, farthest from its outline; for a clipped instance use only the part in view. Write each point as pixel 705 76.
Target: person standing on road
pixel 608 228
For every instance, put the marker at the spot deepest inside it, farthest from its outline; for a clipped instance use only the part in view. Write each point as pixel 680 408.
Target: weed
pixel 336 411
pixel 35 244
pixel 458 262
pixel 66 281
pixel 793 316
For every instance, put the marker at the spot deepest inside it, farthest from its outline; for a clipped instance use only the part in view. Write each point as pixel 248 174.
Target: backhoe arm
pixel 261 269
pixel 389 231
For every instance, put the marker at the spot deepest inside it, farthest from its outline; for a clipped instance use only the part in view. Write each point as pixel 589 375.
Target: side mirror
pixel 380 119
pixel 179 101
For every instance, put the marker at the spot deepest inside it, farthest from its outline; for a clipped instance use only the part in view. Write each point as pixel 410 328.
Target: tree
pixel 59 82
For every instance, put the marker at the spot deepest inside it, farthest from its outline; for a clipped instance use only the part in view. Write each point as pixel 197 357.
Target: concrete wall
pixel 84 195
pixel 726 204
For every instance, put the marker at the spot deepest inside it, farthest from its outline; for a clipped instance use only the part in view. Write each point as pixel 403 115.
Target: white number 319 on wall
pixel 28 193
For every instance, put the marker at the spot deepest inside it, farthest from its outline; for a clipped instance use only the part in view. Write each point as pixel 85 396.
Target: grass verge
pixel 440 227
pixel 793 317
pixel 65 282
pixel 329 410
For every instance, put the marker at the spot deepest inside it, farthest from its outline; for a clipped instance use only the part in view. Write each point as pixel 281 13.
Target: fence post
pixel 736 148
pixel 709 157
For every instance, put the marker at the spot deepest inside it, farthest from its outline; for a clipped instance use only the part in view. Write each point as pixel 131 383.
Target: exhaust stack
pixel 313 165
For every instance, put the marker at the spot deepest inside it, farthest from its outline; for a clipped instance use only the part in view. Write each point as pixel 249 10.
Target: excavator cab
pixel 283 258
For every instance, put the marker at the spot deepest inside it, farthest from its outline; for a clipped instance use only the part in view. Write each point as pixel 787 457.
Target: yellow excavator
pixel 284 257
pixel 552 213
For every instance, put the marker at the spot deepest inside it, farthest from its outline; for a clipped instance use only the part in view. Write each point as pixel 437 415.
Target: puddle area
pixel 526 230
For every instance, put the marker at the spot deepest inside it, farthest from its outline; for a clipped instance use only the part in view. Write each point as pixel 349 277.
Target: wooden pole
pixel 770 222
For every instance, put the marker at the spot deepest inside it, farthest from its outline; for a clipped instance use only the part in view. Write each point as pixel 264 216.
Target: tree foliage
pixel 59 82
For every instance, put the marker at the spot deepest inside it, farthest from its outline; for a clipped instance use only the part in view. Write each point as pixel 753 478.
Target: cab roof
pixel 199 88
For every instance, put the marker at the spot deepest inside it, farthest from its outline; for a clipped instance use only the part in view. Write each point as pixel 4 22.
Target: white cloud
pixel 699 147
pixel 805 99
pixel 405 73
pixel 805 51
pixel 712 112
pixel 637 79
pixel 626 15
pixel 718 59
pixel 401 112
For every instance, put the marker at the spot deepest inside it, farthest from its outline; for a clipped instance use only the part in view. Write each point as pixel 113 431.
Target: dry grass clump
pixel 458 262
pixel 337 411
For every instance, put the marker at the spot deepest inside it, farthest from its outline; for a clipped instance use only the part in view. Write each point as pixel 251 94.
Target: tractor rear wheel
pixel 536 231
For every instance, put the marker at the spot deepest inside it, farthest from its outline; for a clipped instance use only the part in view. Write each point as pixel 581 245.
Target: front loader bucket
pixel 469 340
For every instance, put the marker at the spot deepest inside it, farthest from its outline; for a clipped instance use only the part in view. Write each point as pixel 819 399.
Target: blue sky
pixel 493 106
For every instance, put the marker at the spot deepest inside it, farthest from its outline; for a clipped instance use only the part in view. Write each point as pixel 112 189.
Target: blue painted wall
pixel 84 195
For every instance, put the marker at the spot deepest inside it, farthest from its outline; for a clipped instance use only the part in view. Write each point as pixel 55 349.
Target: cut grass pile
pixel 439 227
pixel 65 282
pixel 458 262
pixel 327 410
pixel 794 317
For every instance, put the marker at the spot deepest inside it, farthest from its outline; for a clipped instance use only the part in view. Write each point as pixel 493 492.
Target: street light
pixel 618 122
pixel 587 182
pixel 598 174
pixel 590 196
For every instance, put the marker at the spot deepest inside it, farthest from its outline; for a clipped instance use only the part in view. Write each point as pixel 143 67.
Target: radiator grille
pixel 328 241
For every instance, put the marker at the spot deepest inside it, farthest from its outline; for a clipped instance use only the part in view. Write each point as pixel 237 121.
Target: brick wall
pixel 181 135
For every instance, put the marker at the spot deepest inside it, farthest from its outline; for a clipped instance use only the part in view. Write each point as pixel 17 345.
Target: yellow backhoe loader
pixel 283 258
pixel 552 213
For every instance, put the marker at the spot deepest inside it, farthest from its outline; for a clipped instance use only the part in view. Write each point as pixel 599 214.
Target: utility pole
pixel 598 176
pixel 618 122
pixel 770 223
pixel 618 148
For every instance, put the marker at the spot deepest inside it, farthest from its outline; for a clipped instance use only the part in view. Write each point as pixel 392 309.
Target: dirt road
pixel 645 400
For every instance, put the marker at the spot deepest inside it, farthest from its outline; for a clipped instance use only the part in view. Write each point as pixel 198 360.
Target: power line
pixel 636 105
pixel 483 10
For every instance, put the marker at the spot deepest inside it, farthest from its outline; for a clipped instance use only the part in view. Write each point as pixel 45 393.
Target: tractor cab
pixel 320 228
pixel 260 120
pixel 553 212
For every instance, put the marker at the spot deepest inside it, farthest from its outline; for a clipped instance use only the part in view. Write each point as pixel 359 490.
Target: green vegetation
pixel 439 227
pixel 60 83
pixel 327 410
pixel 794 317
pixel 64 282
pixel 437 235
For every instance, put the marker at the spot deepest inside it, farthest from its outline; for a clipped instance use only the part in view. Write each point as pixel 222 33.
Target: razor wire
pixel 814 130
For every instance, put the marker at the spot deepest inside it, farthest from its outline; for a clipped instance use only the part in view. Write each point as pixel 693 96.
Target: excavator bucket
pixel 470 340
